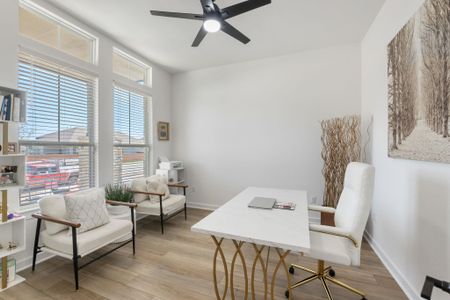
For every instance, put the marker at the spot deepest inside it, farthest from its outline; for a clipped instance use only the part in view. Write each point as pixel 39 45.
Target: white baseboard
pixel 392 268
pixel 204 206
pixel 28 261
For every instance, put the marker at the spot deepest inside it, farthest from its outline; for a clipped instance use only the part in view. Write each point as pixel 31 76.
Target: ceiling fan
pixel 214 18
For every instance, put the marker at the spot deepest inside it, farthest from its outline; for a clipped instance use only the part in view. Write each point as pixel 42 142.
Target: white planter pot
pixel 116 210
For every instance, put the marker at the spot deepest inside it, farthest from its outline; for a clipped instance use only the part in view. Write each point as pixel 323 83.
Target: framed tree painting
pixel 419 79
pixel 163 131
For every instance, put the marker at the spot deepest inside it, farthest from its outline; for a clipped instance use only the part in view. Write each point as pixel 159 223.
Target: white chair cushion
pixel 157 187
pixel 53 206
pixel 87 208
pixel 139 185
pixel 329 248
pixel 88 241
pixel 170 205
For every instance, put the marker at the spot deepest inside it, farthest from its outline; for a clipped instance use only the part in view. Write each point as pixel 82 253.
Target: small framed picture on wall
pixel 13 148
pixel 163 131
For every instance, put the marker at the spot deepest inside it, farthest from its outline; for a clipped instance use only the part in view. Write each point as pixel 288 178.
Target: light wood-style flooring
pixel 178 265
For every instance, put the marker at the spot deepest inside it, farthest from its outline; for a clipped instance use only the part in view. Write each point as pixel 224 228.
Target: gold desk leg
pixel 222 257
pixel 238 246
pixel 264 269
pixel 282 261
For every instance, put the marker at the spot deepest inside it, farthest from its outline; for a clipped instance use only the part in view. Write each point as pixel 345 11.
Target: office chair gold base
pixel 321 274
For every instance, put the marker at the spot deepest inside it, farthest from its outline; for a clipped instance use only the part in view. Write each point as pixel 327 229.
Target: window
pixel 129 67
pixel 131 141
pixel 59 134
pixel 39 25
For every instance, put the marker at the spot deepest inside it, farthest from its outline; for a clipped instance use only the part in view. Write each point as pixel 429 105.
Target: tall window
pixel 42 26
pixel 131 130
pixel 59 135
pixel 131 68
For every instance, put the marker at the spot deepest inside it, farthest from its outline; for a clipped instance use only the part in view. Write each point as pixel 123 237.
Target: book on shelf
pixel 10 108
pixel 11 274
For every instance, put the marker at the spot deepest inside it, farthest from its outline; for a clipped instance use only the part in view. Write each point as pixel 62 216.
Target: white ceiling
pixel 283 27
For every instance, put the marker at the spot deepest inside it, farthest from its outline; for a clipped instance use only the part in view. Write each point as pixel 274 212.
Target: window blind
pixel 60 133
pixel 131 144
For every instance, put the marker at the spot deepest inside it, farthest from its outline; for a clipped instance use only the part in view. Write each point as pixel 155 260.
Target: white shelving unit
pixel 173 175
pixel 13 230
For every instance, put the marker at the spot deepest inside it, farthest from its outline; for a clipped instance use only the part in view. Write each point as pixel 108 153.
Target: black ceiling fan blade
pixel 176 15
pixel 229 29
pixel 243 7
pixel 207 5
pixel 200 36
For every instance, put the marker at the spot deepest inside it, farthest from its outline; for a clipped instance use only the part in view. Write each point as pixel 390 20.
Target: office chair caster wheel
pixel 363 298
pixel 332 273
pixel 292 270
pixel 287 294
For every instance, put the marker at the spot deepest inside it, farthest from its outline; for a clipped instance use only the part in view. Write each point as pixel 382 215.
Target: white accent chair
pixel 341 244
pixel 163 208
pixel 64 240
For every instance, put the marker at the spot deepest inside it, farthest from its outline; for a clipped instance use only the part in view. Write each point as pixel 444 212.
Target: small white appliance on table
pixel 172 170
pixel 284 230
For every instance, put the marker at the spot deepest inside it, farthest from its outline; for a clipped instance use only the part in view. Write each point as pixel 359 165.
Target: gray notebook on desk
pixel 261 202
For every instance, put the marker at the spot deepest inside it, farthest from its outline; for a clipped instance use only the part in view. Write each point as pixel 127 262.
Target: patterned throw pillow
pixel 87 208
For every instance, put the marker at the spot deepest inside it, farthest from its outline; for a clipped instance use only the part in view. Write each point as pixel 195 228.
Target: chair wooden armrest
pixel 148 193
pixel 55 220
pixel 333 231
pixel 178 185
pixel 118 203
pixel 325 209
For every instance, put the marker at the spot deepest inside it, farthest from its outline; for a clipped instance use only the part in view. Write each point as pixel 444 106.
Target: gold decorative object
pixel 341 145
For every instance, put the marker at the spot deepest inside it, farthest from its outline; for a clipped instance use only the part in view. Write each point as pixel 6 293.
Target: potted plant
pixel 118 192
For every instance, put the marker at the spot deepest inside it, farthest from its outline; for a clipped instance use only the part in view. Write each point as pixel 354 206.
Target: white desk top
pixel 286 229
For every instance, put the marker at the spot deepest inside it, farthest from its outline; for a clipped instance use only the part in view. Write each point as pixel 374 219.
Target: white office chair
pixel 341 244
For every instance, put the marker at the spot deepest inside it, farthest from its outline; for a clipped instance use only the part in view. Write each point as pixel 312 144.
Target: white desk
pixel 284 230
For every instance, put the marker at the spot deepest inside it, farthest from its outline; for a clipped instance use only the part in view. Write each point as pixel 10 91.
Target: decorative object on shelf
pixel 8 175
pixel 13 148
pixel 418 85
pixel 340 146
pixel 11 270
pixel 163 131
pixel 120 193
pixel 12 246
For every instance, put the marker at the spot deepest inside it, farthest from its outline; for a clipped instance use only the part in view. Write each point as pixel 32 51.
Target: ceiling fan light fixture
pixel 212 25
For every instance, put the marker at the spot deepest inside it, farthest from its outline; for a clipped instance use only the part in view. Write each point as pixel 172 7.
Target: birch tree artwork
pixel 418 76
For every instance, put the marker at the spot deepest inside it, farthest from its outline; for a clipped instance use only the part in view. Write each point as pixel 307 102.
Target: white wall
pixel 410 222
pixel 160 93
pixel 257 123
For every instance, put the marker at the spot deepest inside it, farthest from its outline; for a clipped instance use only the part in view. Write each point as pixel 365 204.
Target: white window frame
pixel 93 128
pixel 148 74
pixel 147 128
pixel 30 5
